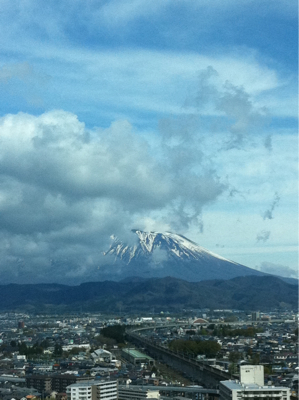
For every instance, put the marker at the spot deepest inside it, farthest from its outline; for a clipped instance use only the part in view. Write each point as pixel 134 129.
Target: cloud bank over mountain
pixel 65 188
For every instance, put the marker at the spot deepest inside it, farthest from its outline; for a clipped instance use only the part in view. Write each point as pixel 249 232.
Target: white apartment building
pixel 252 374
pixel 93 390
pixel 251 386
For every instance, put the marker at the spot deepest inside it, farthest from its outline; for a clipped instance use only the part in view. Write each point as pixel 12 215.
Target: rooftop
pixel 236 385
pixel 90 383
pixel 136 353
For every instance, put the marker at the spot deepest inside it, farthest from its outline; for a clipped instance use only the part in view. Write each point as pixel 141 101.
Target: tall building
pixel 93 390
pixel 251 386
pixel 255 316
pixel 21 325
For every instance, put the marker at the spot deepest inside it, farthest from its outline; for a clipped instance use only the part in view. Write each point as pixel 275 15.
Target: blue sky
pixel 163 115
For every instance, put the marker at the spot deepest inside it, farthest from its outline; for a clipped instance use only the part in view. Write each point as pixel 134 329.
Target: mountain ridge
pixel 168 293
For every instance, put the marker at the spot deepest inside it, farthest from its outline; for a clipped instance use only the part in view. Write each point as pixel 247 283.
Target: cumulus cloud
pixel 56 153
pixel 65 189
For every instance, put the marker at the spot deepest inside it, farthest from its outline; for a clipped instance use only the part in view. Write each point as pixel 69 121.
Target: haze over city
pixel 175 116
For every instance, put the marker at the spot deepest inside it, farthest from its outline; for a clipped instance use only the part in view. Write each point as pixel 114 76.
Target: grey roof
pixel 235 385
pixel 91 383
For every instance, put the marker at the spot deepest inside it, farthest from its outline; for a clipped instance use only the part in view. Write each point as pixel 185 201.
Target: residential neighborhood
pixel 43 356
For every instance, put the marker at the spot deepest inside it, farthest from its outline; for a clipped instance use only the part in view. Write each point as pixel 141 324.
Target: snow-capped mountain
pixel 176 246
pixel 168 254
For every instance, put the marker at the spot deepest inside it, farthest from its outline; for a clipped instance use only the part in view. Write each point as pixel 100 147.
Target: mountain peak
pixel 174 245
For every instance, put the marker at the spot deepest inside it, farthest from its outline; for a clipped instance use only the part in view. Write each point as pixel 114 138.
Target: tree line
pixel 195 347
pixel 226 330
pixel 38 349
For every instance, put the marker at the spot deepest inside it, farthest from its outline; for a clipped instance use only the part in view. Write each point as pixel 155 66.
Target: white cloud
pixel 56 153
pixel 277 269
pixel 161 80
pixel 117 12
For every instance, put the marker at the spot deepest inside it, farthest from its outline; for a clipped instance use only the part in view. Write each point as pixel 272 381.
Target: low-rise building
pixel 136 357
pixel 93 390
pixel 41 383
pixel 57 382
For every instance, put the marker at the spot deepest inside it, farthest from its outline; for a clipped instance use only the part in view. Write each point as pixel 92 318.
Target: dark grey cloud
pixel 268 142
pixel 263 236
pixel 268 214
pixel 238 107
pixel 239 119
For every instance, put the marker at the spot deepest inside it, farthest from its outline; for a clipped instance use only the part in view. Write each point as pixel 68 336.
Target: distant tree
pixel 234 356
pixel 101 340
pixel 23 350
pixel 210 348
pixel 45 344
pixel 36 349
pixel 154 369
pixel 217 332
pixel 255 359
pixel 190 332
pixel 75 350
pixel 116 332
pixel 13 343
pixel 194 347
pixel 232 368
pixel 268 369
pixel 57 350
pixel 249 352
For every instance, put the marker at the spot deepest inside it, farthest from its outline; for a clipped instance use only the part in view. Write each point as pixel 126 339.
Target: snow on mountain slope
pixel 176 246
pixel 157 255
